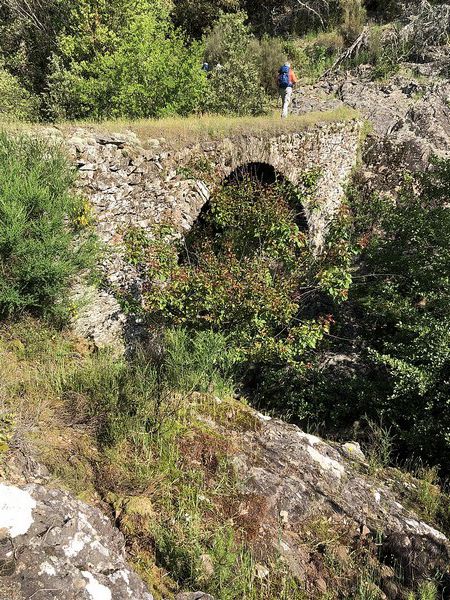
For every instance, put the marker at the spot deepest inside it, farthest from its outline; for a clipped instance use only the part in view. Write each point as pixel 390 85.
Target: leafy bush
pixel 16 104
pixel 269 54
pixel 314 53
pixel 247 270
pixel 38 253
pixel 394 336
pixel 137 66
pixel 234 86
pixel 27 37
pixel 404 296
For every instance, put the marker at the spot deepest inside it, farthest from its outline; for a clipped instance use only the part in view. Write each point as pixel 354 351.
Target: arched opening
pixel 265 175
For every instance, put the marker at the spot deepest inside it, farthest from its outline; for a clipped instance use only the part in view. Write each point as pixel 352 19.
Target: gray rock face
pixel 410 115
pixel 53 546
pixel 290 479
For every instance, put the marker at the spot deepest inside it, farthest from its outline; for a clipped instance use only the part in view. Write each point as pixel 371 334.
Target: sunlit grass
pixel 179 131
pixel 198 128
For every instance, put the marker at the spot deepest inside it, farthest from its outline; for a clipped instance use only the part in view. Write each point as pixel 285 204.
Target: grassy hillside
pixel 140 441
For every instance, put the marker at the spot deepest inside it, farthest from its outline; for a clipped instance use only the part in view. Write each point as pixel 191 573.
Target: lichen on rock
pixel 60 548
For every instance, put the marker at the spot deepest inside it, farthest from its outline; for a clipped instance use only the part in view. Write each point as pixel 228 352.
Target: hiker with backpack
pixel 286 82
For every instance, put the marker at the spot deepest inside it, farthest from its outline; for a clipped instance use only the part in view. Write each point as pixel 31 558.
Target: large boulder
pixel 313 503
pixel 54 547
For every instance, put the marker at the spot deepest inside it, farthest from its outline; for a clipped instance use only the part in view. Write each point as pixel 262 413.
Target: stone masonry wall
pixel 143 182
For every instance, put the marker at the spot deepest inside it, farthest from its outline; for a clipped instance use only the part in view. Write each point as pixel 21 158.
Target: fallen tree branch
pixel 348 53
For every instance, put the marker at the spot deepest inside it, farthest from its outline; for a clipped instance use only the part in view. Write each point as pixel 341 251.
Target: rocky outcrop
pixel 299 493
pixel 57 548
pixel 297 500
pixel 409 114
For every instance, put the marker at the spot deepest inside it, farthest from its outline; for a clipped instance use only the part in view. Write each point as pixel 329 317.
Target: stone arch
pixel 262 172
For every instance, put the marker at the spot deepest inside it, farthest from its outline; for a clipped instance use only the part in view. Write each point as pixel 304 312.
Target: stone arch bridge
pixel 142 182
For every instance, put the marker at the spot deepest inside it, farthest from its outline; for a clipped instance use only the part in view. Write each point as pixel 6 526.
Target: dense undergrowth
pixel 246 269
pixel 64 60
pixel 358 334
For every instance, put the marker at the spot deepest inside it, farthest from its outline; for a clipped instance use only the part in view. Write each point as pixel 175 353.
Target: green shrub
pixel 235 85
pixel 406 321
pixel 38 252
pixel 139 66
pixel 198 361
pixel 383 50
pixel 16 104
pixel 196 16
pixel 396 327
pixel 313 54
pixel 269 54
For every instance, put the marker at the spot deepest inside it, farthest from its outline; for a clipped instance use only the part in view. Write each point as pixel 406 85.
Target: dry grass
pixel 200 128
pixel 178 131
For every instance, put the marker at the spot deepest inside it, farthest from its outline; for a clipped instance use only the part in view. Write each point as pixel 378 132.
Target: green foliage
pixel 124 62
pixel 395 331
pixel 28 30
pixel 269 54
pixel 234 86
pixel 247 270
pixel 314 53
pixel 353 19
pixel 16 104
pixel 198 362
pixel 288 18
pixel 196 16
pixel 383 50
pixel 129 401
pixel 145 415
pixel 404 294
pixel 38 252
pixel 426 591
pixel 378 445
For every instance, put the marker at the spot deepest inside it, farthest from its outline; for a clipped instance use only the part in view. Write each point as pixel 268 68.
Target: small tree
pixel 38 251
pixel 235 83
pixel 403 300
pixel 353 19
pixel 391 348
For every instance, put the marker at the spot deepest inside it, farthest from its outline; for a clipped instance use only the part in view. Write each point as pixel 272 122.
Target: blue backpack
pixel 284 80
